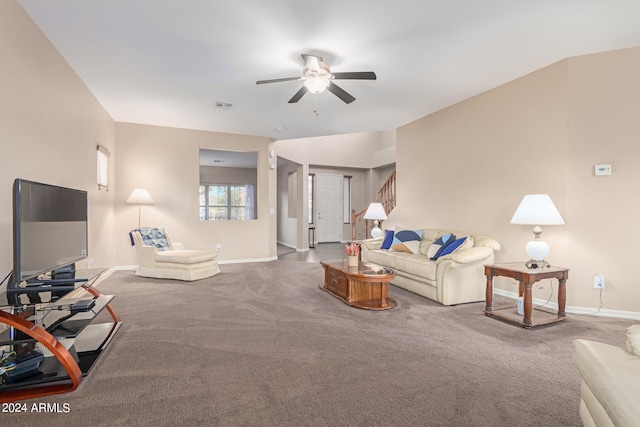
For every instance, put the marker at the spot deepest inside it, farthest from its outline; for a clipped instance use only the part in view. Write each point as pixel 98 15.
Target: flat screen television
pixel 49 229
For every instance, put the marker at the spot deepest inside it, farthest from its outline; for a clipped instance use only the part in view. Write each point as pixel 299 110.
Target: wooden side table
pixel 526 278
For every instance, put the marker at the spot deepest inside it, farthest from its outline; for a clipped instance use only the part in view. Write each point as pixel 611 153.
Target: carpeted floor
pixel 260 344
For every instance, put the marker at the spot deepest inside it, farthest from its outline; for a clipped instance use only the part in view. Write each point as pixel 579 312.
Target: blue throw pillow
pixel 388 239
pixel 154 237
pixel 451 247
pixel 438 246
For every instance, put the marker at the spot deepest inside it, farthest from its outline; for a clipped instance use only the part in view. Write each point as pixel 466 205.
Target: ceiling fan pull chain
pixel 316 110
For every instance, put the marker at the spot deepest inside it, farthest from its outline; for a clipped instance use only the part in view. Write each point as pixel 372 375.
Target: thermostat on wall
pixel 603 170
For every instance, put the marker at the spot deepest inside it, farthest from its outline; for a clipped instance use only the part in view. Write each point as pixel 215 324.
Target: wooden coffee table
pixel 365 286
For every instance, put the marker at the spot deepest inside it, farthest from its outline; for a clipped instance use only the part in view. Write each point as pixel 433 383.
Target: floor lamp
pixel 139 197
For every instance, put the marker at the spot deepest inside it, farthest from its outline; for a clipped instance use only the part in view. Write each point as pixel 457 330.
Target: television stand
pixel 63 341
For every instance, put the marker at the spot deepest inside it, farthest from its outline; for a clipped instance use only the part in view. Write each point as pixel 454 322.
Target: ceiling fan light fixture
pixel 316 84
pixel 317 77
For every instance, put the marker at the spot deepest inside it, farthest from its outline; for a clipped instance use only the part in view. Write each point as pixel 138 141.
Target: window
pixel 310 189
pixel 228 185
pixel 346 197
pixel 227 202
pixel 102 167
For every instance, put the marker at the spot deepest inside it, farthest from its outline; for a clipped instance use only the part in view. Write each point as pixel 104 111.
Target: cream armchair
pixel 159 258
pixel 609 381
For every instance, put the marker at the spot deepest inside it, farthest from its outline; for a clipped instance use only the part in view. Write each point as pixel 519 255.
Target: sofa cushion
pixel 386 258
pixel 388 239
pixel 438 246
pixel 187 256
pixel 407 241
pixel 416 265
pixel 633 340
pixel 429 235
pixel 486 241
pixel 154 237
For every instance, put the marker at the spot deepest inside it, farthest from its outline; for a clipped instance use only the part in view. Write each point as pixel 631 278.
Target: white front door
pixel 329 207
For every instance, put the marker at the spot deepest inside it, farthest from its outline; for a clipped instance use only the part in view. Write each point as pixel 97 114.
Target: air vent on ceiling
pixel 224 105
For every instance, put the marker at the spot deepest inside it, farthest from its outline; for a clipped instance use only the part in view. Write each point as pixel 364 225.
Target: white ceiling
pixel 167 62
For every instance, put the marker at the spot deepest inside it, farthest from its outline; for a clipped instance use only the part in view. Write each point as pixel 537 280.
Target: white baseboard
pixel 287 245
pixel 632 315
pixel 294 247
pixel 239 261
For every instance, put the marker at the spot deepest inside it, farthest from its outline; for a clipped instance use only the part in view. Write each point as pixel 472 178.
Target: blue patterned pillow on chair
pixel 154 237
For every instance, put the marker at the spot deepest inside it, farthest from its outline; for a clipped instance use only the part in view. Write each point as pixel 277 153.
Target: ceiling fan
pixel 317 76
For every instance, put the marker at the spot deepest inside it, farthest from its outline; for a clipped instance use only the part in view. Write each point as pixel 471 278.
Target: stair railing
pixel 360 227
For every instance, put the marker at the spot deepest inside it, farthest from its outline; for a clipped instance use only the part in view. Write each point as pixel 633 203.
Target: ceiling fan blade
pixel 299 94
pixel 356 75
pixel 340 93
pixel 285 79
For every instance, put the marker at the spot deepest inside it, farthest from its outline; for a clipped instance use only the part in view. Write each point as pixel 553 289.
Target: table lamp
pixel 139 197
pixel 376 212
pixel 537 209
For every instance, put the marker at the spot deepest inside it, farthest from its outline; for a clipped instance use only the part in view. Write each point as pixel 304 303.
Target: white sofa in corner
pixel 452 279
pixel 609 381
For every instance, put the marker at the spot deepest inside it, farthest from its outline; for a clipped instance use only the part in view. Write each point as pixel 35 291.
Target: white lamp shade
pixel 537 209
pixel 140 196
pixel 375 211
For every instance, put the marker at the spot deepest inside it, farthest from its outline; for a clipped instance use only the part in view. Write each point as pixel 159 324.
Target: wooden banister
pixel 360 227
pixel 387 193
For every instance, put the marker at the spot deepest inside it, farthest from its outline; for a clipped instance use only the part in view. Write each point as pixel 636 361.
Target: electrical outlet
pixel 598 281
pixel 219 247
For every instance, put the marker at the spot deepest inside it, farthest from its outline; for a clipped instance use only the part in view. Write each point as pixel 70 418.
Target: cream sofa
pixel 159 258
pixel 609 381
pixel 451 279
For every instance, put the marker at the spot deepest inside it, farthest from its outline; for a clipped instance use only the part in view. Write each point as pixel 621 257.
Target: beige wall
pixel 165 161
pixel 468 167
pixel 50 125
pixel 604 212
